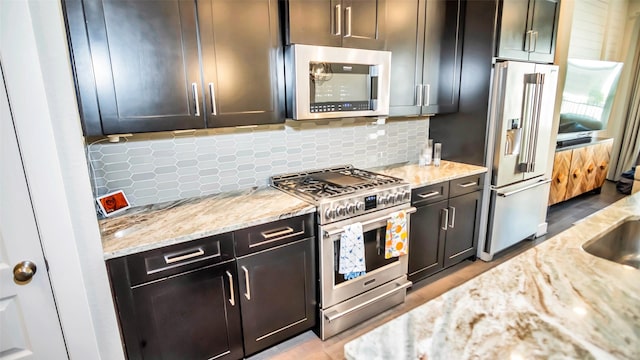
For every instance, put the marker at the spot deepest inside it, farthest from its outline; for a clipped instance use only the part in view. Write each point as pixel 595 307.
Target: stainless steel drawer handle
pixel 194 87
pixel 247 294
pixel 232 300
pixel 335 315
pixel 466 185
pixel 541 182
pixel 170 259
pixel 276 233
pixel 429 195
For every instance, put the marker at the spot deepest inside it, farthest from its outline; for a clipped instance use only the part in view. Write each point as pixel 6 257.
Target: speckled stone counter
pixel 552 301
pixel 154 226
pixel 419 176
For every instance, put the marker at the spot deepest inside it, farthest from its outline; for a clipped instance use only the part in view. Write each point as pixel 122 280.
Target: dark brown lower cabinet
pixel 188 316
pixel 277 294
pixel 444 232
pixel 426 245
pixel 221 297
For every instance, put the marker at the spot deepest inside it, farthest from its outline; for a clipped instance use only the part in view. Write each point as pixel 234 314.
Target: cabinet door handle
pixel 453 217
pixel 443 224
pixel 194 87
pixel 429 195
pixel 247 294
pixel 528 34
pixel 337 18
pixel 427 94
pixel 212 93
pixel 347 30
pixel 232 300
pixel 534 34
pixel 419 95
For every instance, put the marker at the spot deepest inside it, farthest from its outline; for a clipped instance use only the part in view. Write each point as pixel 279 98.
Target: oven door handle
pixel 329 233
pixel 336 315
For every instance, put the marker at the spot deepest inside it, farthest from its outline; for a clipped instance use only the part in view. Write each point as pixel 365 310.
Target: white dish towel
pixel 351 263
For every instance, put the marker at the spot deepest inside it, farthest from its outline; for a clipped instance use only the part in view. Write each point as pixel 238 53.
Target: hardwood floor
pixel 559 217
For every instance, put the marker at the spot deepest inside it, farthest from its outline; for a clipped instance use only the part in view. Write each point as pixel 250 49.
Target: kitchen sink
pixel 622 244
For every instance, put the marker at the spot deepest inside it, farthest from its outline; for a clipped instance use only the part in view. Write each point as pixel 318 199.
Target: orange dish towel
pixel 396 243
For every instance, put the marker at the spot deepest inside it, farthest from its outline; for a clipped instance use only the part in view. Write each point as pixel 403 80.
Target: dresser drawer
pixel 261 237
pixel 466 185
pixel 430 194
pixel 170 260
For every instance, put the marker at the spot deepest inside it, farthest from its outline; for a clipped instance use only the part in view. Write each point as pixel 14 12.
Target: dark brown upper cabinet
pixel 143 66
pixel 348 23
pixel 425 38
pixel 528 30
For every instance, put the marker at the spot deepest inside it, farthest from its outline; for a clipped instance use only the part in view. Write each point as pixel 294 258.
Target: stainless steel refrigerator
pixel 519 131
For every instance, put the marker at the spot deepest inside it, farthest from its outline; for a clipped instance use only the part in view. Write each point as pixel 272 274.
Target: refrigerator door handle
pixel 530 116
pixel 536 119
pixel 541 182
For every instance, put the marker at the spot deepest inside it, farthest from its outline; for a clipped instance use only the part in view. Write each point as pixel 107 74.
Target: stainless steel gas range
pixel 345 195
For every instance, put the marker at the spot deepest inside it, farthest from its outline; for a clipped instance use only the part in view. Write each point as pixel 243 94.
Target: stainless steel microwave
pixel 329 82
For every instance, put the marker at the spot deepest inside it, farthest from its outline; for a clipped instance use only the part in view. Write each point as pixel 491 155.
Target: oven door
pixel 379 270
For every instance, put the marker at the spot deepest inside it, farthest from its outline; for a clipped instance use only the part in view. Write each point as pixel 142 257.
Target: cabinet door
pixel 195 315
pixel 462 228
pixel 559 176
pixel 544 20
pixel 314 22
pixel 513 37
pixel 146 64
pixel 364 24
pixel 442 56
pixel 588 182
pixel 602 154
pixel 405 39
pixel 426 240
pixel 576 172
pixel 277 291
pixel 242 62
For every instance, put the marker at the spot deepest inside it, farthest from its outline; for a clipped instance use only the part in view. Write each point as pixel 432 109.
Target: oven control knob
pixel 351 208
pixel 383 200
pixel 340 210
pixel 330 214
pixel 406 194
pixel 391 198
pixel 359 205
pixel 399 196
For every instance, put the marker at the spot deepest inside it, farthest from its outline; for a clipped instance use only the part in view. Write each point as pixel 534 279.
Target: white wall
pixel 36 62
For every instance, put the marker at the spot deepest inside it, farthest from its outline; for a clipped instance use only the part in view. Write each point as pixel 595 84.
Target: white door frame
pixel 40 88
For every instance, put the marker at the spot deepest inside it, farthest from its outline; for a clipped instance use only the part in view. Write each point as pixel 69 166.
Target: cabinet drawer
pixel 171 260
pixel 466 185
pixel 430 194
pixel 261 237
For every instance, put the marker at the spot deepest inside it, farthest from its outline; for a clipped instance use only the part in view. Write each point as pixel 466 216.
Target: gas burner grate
pixel 317 184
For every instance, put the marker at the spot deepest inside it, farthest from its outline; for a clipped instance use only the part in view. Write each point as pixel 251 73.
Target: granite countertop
pixel 150 227
pixel 419 176
pixel 552 301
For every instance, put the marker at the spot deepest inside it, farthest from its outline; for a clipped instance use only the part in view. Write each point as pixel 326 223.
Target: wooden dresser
pixel 579 168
